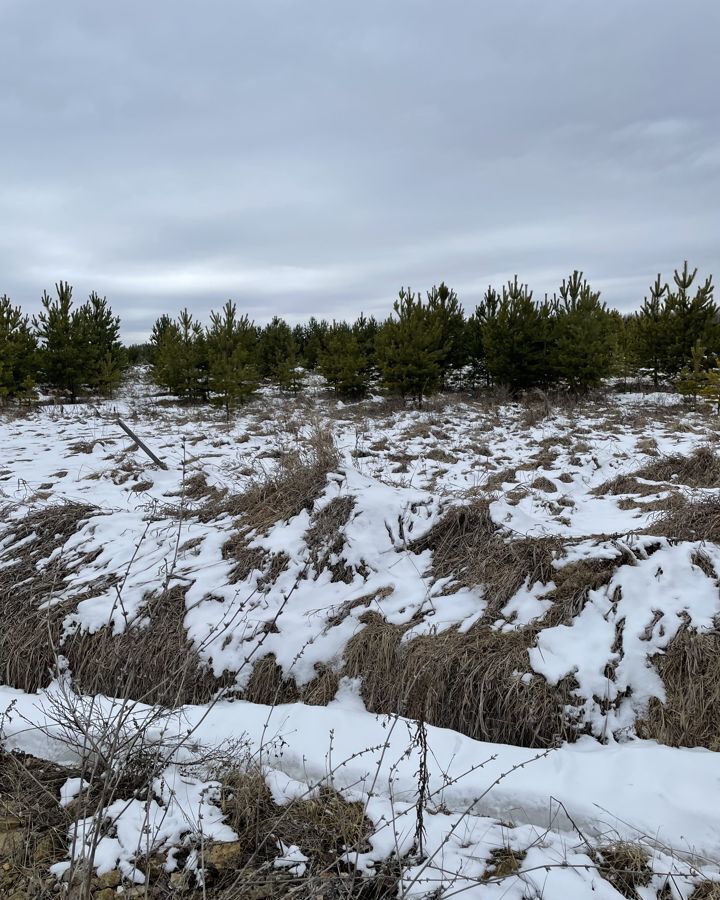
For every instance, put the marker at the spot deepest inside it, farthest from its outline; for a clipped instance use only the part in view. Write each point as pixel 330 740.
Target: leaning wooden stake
pixel 141 445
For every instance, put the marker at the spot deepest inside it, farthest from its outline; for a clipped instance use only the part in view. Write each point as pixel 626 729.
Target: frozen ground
pixel 401 471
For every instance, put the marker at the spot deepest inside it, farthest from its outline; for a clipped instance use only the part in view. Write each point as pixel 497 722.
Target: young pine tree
pixel 444 308
pixel 232 374
pixel 517 337
pixel 693 377
pixel 342 362
pixel 64 354
pixel 99 333
pixel 180 357
pixel 711 386
pixel 278 357
pixel 584 345
pixel 409 349
pixel 18 352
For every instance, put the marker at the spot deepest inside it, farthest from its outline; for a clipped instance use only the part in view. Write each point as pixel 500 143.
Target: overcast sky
pixel 312 156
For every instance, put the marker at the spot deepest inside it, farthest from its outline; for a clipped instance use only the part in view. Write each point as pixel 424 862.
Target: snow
pixel 404 469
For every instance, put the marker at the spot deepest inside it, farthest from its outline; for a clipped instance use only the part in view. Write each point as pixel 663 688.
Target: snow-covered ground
pixel 401 470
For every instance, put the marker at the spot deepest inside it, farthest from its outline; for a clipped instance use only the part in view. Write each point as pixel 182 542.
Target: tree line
pixel 428 343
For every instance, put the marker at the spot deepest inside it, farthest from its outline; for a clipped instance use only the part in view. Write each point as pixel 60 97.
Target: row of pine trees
pixel 70 349
pixel 428 343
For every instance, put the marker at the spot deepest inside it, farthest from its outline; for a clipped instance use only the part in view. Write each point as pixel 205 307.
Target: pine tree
pixel 444 308
pixel 342 362
pixel 693 377
pixel 232 374
pixel 583 345
pixel 671 321
pixel 366 331
pixel 99 334
pixel 18 352
pixel 278 356
pixel 694 318
pixel 180 357
pixel 711 387
pixel 517 337
pixel 409 349
pixel 63 353
pixel 653 331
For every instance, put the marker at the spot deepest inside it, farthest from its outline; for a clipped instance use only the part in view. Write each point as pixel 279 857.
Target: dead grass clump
pixel 268 685
pixel 625 484
pixel 696 520
pixel 625 866
pixel 33 571
pixel 544 484
pixel 323 825
pixel 706 890
pixel 196 488
pixel 690 671
pixel 471 549
pixel 294 485
pixel 575 580
pixel 33 825
pixel 503 862
pixel 468 682
pixel 155 662
pixel 249 559
pixel 325 539
pixel 497 479
pixel 700 469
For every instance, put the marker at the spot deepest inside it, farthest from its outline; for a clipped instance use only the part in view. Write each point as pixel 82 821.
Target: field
pixel 361 650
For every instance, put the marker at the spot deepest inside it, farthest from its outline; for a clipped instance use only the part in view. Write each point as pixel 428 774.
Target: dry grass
pixel 699 469
pixel 706 890
pixel 467 682
pixel 690 670
pixel 294 485
pixel 30 631
pixel 691 520
pixel 29 793
pixel 503 862
pixel 268 685
pixel 544 484
pixel 625 866
pixel 325 540
pixel 625 484
pixel 471 549
pixel 155 663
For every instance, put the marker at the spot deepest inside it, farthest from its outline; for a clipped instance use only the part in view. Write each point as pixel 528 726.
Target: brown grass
pixel 690 670
pixel 691 520
pixel 471 549
pixel 625 866
pixel 325 540
pixel 155 663
pixel 699 469
pixel 544 484
pixel 706 890
pixel 28 631
pixel 467 682
pixel 294 485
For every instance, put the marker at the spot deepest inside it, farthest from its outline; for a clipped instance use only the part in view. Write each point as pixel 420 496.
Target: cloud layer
pixel 309 158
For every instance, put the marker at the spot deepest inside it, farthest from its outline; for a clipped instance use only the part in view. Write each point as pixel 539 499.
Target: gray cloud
pixel 312 157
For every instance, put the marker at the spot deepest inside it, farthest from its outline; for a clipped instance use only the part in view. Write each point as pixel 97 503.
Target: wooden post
pixel 141 445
